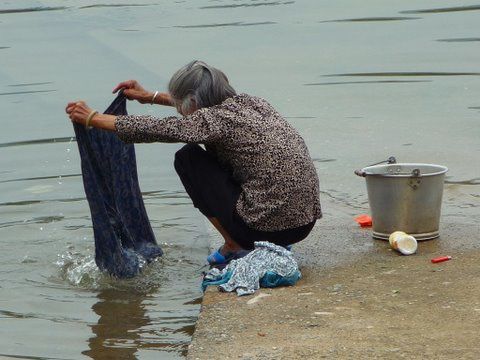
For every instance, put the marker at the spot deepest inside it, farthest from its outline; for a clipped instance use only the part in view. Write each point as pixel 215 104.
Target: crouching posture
pixel 254 179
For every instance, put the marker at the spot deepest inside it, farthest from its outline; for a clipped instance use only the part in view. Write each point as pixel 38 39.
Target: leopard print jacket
pixel 267 156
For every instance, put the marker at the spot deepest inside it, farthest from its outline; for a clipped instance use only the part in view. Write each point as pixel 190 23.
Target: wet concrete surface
pixel 357 299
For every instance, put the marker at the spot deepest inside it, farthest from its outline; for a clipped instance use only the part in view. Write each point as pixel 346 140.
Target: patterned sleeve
pixel 203 126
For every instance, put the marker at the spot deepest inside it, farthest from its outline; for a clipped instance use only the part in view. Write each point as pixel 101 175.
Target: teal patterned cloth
pixel 269 265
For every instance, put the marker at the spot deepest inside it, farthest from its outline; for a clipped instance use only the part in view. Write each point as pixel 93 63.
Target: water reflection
pixel 116 334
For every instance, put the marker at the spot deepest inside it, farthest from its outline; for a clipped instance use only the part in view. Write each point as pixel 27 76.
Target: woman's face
pixel 191 110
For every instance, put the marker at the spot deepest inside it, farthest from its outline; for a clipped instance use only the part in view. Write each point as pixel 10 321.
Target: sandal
pixel 216 258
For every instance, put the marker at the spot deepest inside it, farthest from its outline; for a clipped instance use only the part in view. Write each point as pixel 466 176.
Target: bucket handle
pixel 390 160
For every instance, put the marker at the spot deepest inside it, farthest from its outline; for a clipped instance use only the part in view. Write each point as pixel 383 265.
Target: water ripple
pixel 32 9
pixel 407 73
pixel 13 356
pixel 16 315
pixel 113 5
pixel 442 10
pixel 270 3
pixel 239 23
pixel 26 92
pixel 38 141
pixel 148 195
pixel 367 82
pixel 41 178
pixel 300 117
pixel 474 39
pixel 33 84
pixel 35 220
pixel 374 19
pixel 474 181
pixel 32 202
pixel 323 160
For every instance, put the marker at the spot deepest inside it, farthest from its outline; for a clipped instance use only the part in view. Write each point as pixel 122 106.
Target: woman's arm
pixel 203 126
pixel 80 113
pixel 134 91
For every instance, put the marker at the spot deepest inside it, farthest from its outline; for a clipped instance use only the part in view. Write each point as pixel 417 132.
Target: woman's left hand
pixel 78 111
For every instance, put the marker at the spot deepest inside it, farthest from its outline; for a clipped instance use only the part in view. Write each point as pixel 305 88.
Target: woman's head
pixel 198 85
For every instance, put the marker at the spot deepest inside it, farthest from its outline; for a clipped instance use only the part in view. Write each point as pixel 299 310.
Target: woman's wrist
pixel 145 97
pixel 103 121
pixel 164 99
pixel 157 97
pixel 90 117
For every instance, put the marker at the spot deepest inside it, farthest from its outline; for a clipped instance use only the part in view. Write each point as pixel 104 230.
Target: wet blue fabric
pixel 269 280
pixel 124 238
pixel 272 279
pixel 268 265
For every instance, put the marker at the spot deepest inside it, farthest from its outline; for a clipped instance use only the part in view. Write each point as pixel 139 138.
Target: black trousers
pixel 215 194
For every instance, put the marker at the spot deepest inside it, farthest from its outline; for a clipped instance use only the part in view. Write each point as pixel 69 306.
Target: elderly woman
pixel 255 180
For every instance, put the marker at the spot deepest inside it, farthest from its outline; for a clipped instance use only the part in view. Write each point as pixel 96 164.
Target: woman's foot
pixel 224 255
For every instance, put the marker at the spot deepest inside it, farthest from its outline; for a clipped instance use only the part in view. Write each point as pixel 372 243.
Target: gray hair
pixel 197 81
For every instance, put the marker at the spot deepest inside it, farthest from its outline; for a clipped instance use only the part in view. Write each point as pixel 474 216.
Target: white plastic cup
pixel 403 243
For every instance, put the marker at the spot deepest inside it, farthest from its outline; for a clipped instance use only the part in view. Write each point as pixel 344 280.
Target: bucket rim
pixel 442 170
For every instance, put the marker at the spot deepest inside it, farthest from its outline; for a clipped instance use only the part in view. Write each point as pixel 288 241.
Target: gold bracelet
pixel 153 97
pixel 90 117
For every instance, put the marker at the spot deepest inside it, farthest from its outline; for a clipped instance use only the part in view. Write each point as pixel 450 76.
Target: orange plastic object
pixel 441 259
pixel 364 220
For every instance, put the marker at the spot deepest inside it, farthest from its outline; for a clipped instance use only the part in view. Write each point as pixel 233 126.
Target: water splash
pixel 80 270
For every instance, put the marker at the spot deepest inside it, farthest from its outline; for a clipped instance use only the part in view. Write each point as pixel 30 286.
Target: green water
pixel 360 80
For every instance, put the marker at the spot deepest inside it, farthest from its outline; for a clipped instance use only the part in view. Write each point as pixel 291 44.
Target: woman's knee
pixel 186 155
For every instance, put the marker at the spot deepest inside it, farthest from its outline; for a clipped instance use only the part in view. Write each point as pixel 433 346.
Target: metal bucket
pixel 405 197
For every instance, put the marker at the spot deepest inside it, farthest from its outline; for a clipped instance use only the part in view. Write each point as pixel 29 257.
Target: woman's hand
pixel 134 91
pixel 78 111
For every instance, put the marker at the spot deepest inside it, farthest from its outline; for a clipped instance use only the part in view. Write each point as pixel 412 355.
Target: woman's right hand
pixel 134 91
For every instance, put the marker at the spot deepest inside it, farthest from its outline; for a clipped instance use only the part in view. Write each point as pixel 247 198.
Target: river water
pixel 361 82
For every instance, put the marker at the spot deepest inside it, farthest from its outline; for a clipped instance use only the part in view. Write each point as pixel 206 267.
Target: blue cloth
pixel 272 279
pixel 268 265
pixel 123 236
pixel 269 280
pixel 219 280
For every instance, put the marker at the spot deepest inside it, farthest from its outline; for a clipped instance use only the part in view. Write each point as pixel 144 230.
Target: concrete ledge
pixel 357 299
